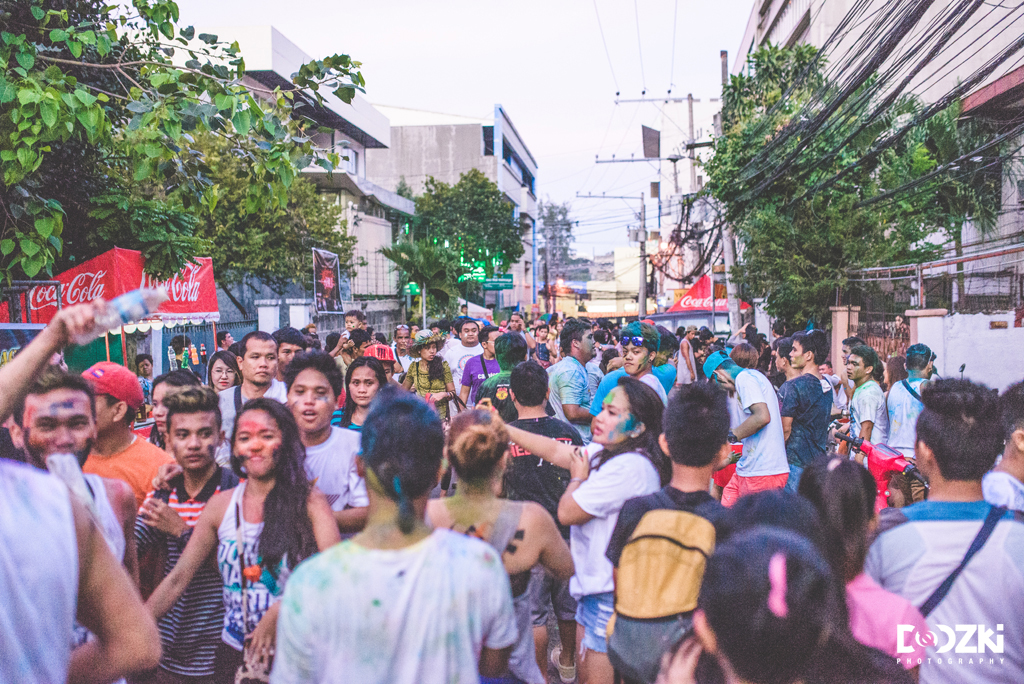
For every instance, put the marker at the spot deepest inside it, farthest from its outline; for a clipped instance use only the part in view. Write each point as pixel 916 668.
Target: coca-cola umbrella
pixel 192 293
pixel 698 299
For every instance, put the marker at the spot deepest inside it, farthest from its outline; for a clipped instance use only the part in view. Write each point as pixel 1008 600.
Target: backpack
pixel 657 582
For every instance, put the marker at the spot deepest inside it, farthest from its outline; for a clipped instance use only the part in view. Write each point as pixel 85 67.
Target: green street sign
pixel 499 282
pixel 411 289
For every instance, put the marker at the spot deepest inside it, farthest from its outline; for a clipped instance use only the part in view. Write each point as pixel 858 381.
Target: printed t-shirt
pixel 920 546
pixel 418 615
pixel 1003 489
pixel 764 452
pixel 668 498
pixel 422 383
pixel 868 403
pixel 903 410
pixel 811 410
pixel 531 478
pixel 496 389
pixel 568 383
pixel 602 495
pixel 190 630
pixel 474 374
pixel 137 465
pixel 594 374
pixel 331 466
pixel 875 615
pixel 457 357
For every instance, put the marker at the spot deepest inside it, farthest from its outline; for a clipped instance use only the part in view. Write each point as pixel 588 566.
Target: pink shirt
pixel 875 615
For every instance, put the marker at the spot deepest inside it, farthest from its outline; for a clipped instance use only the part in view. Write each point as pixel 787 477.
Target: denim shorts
pixel 593 612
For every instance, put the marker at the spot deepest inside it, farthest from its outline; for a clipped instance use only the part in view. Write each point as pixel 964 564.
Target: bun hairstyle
pixel 477 441
pixel 402 445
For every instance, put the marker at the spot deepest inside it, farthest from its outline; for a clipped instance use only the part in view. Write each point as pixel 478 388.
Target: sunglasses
pixel 635 341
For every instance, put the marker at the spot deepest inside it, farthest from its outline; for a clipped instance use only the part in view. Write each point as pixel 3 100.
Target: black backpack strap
pixel 994 515
pixel 913 393
pixel 483 364
pixel 238 399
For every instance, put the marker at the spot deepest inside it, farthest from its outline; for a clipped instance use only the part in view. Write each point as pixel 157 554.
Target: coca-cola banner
pixel 326 282
pixel 192 292
pixel 698 298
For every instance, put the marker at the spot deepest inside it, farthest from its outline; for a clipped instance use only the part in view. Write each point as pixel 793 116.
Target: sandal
pixel 566 674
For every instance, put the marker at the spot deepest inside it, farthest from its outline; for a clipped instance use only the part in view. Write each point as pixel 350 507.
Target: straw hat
pixel 424 338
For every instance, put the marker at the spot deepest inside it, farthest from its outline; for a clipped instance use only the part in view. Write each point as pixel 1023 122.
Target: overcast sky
pixel 543 60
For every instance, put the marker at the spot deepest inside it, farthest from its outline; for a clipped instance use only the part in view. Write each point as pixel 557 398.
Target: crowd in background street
pixel 425 505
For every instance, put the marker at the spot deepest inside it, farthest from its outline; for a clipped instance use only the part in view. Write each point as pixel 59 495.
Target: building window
pixel 488 141
pixel 351 165
pixel 506 152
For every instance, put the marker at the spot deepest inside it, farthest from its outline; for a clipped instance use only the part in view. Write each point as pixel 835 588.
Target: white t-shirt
pixel 903 411
pixel 835 385
pixel 651 380
pixel 602 495
pixel 1003 489
pixel 868 403
pixel 331 466
pixel 764 452
pixel 278 391
pixel 418 615
pixel 457 357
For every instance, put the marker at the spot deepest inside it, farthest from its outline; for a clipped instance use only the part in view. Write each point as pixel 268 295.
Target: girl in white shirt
pixel 622 462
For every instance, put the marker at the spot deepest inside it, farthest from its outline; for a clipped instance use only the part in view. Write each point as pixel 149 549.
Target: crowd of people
pixel 530 502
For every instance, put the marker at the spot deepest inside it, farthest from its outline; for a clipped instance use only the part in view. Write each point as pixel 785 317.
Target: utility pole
pixel 641 300
pixel 693 152
pixel 642 294
pixel 728 245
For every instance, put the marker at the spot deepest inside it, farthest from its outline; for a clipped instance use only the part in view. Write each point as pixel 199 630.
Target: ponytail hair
pixel 844 494
pixel 477 442
pixel 402 445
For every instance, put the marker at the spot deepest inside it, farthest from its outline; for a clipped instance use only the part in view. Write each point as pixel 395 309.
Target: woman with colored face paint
pixel 622 462
pixel 280 519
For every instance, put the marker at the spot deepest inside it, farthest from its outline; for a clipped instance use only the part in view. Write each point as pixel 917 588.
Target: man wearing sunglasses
pixel 640 345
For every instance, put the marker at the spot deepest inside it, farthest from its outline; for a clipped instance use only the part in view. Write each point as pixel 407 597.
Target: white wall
pixel 992 357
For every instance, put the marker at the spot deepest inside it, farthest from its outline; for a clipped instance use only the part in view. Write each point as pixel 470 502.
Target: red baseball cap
pixel 381 352
pixel 107 377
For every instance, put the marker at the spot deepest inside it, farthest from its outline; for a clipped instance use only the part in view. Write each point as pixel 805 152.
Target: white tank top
pixel 683 376
pixel 38 575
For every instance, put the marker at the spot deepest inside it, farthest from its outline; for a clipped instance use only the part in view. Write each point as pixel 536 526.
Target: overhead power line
pixel 606 53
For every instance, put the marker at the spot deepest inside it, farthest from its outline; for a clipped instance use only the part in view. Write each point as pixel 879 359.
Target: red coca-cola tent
pixel 698 298
pixel 192 292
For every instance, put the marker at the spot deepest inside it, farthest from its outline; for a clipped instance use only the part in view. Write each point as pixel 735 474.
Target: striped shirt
pixel 190 630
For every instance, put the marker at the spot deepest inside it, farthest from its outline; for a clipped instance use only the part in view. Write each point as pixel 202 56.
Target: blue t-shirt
pixel 473 375
pixel 665 373
pixel 810 407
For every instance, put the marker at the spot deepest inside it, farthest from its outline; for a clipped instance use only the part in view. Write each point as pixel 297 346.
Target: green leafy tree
pixel 115 97
pixel 803 226
pixel 273 245
pixel 970 192
pixel 472 218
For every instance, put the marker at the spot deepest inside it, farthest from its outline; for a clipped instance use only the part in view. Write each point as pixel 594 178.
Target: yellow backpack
pixel 657 583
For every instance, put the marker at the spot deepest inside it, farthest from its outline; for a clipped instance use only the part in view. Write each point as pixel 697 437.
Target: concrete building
pixel 373 214
pixel 444 146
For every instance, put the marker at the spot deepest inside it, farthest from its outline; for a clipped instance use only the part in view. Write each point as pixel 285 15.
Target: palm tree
pixel 428 266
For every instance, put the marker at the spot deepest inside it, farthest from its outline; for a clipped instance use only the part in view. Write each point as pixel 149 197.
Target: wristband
pixel 577 479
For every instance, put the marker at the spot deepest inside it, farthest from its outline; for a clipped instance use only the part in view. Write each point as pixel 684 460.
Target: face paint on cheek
pixel 625 426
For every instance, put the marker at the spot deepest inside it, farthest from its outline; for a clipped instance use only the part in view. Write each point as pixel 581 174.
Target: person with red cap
pixel 118 453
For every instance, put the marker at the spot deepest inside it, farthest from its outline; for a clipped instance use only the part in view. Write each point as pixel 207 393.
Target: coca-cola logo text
pixel 703 303
pixel 183 287
pixel 83 288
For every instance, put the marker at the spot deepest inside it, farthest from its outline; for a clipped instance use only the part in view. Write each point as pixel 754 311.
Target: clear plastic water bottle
pixel 128 308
